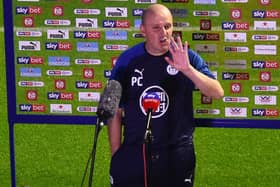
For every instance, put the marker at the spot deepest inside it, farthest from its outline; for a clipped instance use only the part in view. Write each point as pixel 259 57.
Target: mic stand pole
pixel 93 152
pixel 148 142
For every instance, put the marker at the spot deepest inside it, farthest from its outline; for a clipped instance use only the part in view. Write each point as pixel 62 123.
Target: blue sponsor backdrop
pixel 61 47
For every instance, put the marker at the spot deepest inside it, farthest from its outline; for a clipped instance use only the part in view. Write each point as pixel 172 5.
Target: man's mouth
pixel 162 40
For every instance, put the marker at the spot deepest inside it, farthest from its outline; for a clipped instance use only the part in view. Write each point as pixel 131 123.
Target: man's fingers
pixel 169 60
pixel 179 42
pixel 186 46
pixel 173 44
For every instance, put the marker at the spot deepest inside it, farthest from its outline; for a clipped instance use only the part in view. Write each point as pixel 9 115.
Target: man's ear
pixel 142 29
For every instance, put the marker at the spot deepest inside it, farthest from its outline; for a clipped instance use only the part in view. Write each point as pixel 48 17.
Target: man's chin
pixel 165 48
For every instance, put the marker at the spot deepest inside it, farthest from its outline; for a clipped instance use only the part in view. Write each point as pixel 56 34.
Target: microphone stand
pixel 148 142
pixel 97 130
pixel 98 125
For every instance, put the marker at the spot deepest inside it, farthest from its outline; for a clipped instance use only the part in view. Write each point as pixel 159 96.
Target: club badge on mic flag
pixel 151 101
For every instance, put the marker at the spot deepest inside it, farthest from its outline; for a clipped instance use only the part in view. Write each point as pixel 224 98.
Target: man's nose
pixel 162 30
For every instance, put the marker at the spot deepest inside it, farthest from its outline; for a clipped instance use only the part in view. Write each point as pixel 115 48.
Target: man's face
pixel 157 29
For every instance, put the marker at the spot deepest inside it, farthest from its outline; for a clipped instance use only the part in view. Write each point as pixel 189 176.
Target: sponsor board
pixel 235 37
pixel 116 11
pixel 68 51
pixel 29 33
pixel 265 88
pixel 31 83
pixel 32 107
pixel 265 112
pixel 236 99
pixel 86 109
pixel 207 13
pixel 29 45
pixel 207 111
pixel 89 96
pixel 265 100
pixel 236 112
pixel 84 11
pixel 265 49
pixel 61 108
pixel 235 64
pixel 86 23
pixel 206 48
pixel 84 61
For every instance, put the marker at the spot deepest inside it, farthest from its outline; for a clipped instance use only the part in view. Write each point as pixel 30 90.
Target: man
pixel 172 71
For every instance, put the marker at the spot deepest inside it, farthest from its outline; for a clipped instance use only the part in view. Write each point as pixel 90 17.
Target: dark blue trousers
pixel 172 166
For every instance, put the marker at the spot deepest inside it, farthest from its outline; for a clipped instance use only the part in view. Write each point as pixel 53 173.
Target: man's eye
pixel 166 27
pixel 156 28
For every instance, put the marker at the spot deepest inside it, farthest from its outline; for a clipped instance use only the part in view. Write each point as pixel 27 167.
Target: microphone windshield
pixel 109 100
pixel 151 101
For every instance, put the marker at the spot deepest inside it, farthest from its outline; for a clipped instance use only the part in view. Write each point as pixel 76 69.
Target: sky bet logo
pixel 257 64
pixel 87 34
pixel 28 10
pixel 32 108
pixel 88 85
pixel 60 96
pixel 115 24
pixel 266 14
pixel 235 25
pixel 206 36
pixel 265 112
pixel 30 60
pixel 58 46
pixel 235 76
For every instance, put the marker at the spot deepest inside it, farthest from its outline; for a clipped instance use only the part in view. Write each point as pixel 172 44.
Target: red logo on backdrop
pixel 64 46
pixel 235 13
pixel 31 95
pixel 122 24
pixel 35 10
pixel 265 76
pixel 242 76
pixel 205 99
pixel 272 14
pixel 271 64
pixel 36 60
pixel 235 87
pixel 66 96
pixel 242 26
pixel 95 85
pixel 28 21
pixel 94 34
pixel 271 112
pixel 58 10
pixel 38 108
pixel 60 84
pixel 86 1
pixel 88 73
pixel 265 2
pixel 205 24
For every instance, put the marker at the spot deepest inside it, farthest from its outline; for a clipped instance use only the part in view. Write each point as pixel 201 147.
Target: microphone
pixel 151 102
pixel 106 109
pixel 109 100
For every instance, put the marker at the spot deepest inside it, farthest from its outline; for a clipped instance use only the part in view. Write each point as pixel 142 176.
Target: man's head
pixel 157 28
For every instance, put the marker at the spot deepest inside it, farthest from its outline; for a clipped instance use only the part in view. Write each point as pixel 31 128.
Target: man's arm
pixel 208 86
pixel 180 60
pixel 114 131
